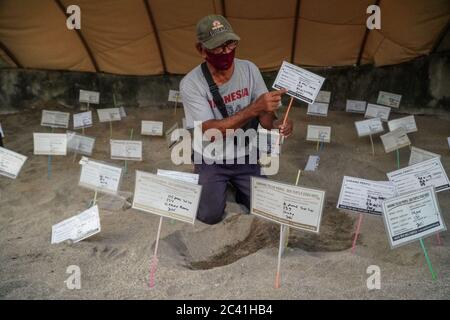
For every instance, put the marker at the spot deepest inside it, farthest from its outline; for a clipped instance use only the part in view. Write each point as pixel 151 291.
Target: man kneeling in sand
pixel 226 93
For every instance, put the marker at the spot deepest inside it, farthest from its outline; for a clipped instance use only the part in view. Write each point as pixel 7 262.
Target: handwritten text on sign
pixel 356 106
pixel 11 163
pixel 166 197
pixel 99 176
pixel 50 144
pixel 55 119
pixel 318 133
pixel 293 206
pixel 82 120
pixel 77 228
pixel 389 99
pixel 323 97
pixel 395 140
pixel 178 175
pixel 126 150
pixel 318 109
pixel 109 114
pixel 174 96
pixel 419 155
pixel 376 111
pixel 365 196
pixel 89 96
pixel 298 82
pixel 420 175
pixel 408 123
pixel 369 127
pixel 79 143
pixel 412 216
pixel 152 128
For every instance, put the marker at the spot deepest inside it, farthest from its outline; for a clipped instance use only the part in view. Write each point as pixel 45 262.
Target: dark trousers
pixel 214 179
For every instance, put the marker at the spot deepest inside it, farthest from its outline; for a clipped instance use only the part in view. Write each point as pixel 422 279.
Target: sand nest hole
pixel 241 235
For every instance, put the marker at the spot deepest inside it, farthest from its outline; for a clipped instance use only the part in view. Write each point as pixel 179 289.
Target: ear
pixel 200 49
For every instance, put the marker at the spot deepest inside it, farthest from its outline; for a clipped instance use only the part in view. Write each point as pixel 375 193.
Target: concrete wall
pixel 423 82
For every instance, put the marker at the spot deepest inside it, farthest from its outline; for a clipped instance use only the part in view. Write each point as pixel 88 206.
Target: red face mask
pixel 221 61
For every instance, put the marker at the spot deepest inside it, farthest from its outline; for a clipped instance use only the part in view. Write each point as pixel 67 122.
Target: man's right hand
pixel 269 101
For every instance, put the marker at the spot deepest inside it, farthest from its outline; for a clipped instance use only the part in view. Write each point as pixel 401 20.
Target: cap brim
pixel 220 39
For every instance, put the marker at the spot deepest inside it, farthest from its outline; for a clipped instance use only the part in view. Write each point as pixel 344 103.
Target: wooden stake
pixel 126 162
pixel 357 233
pixel 154 263
pixel 176 104
pixel 95 198
pixel 280 247
pixel 287 229
pixel 371 142
pixel 430 266
pixel 286 116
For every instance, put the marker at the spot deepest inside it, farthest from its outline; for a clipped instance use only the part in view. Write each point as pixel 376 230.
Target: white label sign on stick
pixel 363 195
pixel 183 176
pixel 174 96
pixel 318 133
pixel 395 140
pixel 313 163
pixel 423 174
pixel 318 109
pixel 368 127
pixel 82 120
pixel 80 144
pixel 294 206
pixel 412 216
pixel 152 128
pixel 298 82
pixel 77 228
pixel 172 135
pixel 10 163
pixel 99 176
pixel 166 197
pixel 2 135
pixel 408 123
pixel 55 119
pixel 389 99
pixel 122 112
pixel 89 96
pixel 356 106
pixel 126 150
pixel 376 111
pixel 323 96
pixel 109 114
pixel 50 144
pixel 420 155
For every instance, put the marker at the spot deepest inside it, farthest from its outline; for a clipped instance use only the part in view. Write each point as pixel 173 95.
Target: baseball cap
pixel 214 30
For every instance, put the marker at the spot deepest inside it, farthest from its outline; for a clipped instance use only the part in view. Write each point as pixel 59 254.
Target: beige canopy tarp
pixel 150 37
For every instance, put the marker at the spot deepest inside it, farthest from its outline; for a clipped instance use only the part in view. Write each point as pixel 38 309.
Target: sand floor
pixel 235 259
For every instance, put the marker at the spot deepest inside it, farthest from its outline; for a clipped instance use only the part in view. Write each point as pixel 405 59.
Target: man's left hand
pixel 286 129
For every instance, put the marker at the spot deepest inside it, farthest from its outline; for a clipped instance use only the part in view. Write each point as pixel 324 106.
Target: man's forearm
pixel 236 121
pixel 266 120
